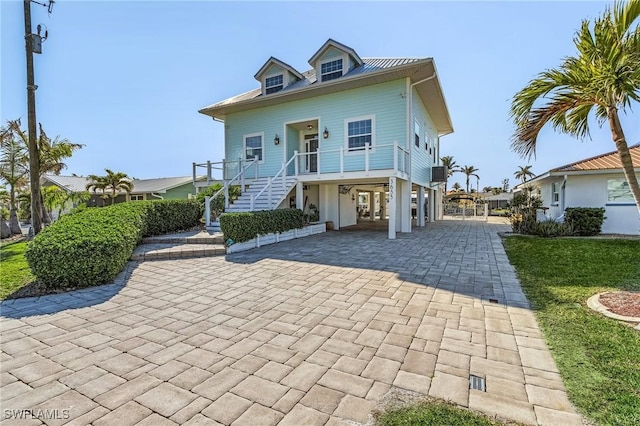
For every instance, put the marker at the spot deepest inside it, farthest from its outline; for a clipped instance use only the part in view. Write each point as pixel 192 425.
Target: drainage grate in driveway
pixel 477 383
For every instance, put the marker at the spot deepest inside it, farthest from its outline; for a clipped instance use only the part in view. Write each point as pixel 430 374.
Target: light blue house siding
pixel 385 103
pixel 423 157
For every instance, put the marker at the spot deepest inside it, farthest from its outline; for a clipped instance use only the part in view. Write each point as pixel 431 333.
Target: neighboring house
pixel 171 188
pixel 497 201
pixel 348 125
pixel 595 182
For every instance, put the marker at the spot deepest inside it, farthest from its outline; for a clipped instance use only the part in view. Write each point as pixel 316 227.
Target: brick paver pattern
pixel 312 331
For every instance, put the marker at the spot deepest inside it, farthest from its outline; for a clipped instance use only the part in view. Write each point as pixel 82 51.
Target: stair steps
pixel 186 245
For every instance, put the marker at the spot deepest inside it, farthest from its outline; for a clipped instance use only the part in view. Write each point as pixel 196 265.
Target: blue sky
pixel 126 79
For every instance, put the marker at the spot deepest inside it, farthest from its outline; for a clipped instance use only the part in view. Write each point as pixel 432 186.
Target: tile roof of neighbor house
pixel 140 186
pixel 607 161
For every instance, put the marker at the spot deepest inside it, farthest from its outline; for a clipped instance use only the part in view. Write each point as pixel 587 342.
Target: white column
pixel 383 205
pixel 328 204
pixel 299 196
pixel 392 208
pixel 372 205
pixel 405 205
pixel 420 205
pixel 438 201
pixel 433 204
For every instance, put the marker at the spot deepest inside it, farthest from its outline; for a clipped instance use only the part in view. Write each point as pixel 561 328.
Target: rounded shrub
pixel 92 246
pixel 241 227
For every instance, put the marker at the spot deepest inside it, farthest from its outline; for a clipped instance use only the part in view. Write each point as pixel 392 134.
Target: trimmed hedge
pixel 241 227
pixel 585 221
pixel 92 246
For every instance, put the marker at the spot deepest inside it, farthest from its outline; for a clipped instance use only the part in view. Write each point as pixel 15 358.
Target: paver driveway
pixel 310 331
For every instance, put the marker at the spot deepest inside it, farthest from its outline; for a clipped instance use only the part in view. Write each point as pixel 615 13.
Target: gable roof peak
pixel 276 61
pixel 332 43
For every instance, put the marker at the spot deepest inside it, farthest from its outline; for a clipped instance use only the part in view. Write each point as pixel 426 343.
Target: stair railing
pixel 225 189
pixel 272 180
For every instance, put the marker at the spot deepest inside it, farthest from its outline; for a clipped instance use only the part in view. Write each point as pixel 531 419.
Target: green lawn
pixel 14 271
pixel 598 357
pixel 434 413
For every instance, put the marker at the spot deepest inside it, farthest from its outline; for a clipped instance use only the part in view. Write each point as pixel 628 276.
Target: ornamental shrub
pixel 585 221
pixel 550 228
pixel 92 246
pixel 241 227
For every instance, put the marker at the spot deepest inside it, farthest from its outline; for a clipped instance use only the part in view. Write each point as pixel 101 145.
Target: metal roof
pixel 140 186
pixel 604 163
pixel 610 160
pixel 372 71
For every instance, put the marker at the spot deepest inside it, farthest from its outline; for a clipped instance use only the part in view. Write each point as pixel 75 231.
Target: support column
pixel 383 205
pixel 299 196
pixel 372 205
pixel 405 205
pixel 392 206
pixel 420 205
pixel 329 204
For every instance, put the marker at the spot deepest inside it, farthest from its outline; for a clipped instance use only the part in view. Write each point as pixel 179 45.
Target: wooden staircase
pixel 259 187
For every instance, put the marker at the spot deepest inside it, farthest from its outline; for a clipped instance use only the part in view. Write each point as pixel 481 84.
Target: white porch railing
pixel 341 160
pixel 273 181
pixel 244 166
pixel 221 170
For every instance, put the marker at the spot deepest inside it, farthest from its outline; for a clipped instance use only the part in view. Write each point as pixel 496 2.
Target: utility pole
pixel 34 156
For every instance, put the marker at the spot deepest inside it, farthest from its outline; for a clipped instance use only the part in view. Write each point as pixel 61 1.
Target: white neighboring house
pixel 595 182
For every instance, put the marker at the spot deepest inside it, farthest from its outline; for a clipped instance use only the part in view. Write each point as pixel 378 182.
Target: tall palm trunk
pixel 46 216
pixel 623 151
pixel 14 223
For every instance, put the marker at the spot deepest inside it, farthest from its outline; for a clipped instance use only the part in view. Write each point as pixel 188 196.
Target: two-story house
pixel 346 126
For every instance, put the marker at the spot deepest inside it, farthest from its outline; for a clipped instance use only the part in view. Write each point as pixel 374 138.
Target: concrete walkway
pixel 308 332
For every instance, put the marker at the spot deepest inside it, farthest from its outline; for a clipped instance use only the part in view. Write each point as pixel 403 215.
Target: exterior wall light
pixel 276 140
pixel 325 134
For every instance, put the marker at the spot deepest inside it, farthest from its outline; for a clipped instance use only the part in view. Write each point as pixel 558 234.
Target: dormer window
pixel 331 70
pixel 274 84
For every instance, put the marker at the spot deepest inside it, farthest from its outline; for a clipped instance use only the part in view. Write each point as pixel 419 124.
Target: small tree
pixel 451 166
pixel 112 182
pixel 217 204
pixel 523 173
pixel 524 207
pixel 469 171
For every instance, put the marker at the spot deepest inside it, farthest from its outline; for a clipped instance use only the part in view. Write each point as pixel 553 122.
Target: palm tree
pixel 457 187
pixel 469 171
pixel 113 181
pixel 604 75
pixel 523 173
pixel 51 153
pixel 15 160
pixel 451 166
pixel 14 167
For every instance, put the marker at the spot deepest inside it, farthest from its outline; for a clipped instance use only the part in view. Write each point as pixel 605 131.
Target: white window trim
pixel 345 65
pixel 555 189
pixel 348 151
pixel 244 145
pixel 285 81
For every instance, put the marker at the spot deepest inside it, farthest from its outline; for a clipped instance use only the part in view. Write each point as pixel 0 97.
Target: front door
pixel 311 148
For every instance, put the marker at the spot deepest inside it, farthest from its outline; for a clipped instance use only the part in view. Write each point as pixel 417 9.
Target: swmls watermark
pixel 36 413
